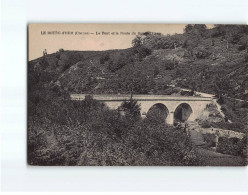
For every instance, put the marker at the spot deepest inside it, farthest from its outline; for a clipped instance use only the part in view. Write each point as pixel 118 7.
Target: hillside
pixel 215 61
pixel 207 60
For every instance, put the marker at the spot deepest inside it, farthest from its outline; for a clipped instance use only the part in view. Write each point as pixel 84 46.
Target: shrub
pixel 239 127
pixel 104 58
pixel 142 52
pixel 114 66
pixel 161 145
pixel 171 90
pixel 232 146
pixel 221 101
pixel 205 124
pixel 210 139
pixel 63 132
pixel 244 104
pixel 246 57
pixel 57 55
pixel 202 53
pixel 169 65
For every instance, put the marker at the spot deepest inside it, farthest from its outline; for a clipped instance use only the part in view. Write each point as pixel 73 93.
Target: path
pixel 196 136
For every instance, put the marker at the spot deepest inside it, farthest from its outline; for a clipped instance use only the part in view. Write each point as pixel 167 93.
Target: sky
pixel 89 37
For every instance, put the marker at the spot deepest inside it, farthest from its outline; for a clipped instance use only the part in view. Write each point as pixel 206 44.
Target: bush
pixel 57 55
pixel 171 90
pixel 205 124
pixel 210 139
pixel 120 63
pixel 246 57
pixel 244 104
pixel 160 144
pixel 104 58
pixel 62 132
pixel 169 65
pixel 239 127
pixel 142 52
pixel 232 146
pixel 202 53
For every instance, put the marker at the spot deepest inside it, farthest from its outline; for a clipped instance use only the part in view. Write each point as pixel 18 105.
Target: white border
pixel 17 176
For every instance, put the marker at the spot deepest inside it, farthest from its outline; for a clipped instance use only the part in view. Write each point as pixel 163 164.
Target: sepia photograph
pixel 137 94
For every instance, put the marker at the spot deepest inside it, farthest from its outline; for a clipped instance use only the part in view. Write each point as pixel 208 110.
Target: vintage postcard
pixel 137 95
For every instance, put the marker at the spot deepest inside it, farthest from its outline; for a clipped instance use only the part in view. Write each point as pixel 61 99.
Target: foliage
pixel 246 57
pixel 205 124
pixel 104 58
pixel 207 60
pixel 202 53
pixel 232 146
pixel 137 41
pixel 142 52
pixel 236 112
pixel 131 109
pixel 62 132
pixel 162 144
pixel 210 139
pixel 239 127
pixel 121 62
pixel 195 28
pixel 179 59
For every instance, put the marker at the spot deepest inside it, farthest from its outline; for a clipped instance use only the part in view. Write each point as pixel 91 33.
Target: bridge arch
pixel 197 104
pixel 158 111
pixel 183 112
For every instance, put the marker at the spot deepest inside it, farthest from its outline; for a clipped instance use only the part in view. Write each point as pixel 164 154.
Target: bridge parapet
pixel 125 97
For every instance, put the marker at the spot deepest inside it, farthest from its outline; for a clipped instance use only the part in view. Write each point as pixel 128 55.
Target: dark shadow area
pixel 182 113
pixel 158 112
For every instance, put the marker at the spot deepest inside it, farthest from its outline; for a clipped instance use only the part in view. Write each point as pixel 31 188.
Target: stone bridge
pixel 181 108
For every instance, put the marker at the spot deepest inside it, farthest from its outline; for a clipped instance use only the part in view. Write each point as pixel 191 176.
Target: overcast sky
pixel 39 39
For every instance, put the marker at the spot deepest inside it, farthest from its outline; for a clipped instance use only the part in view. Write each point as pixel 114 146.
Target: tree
pixel 221 86
pixel 193 87
pixel 229 33
pixel 143 52
pixel 200 28
pixel 137 41
pixel 194 34
pixel 188 28
pixel 131 108
pixel 195 29
pixel 243 43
